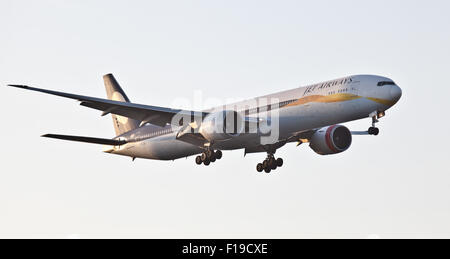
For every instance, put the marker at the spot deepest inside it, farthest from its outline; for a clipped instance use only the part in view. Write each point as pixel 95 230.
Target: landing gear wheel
pixel 259 168
pixel 279 162
pixel 270 163
pixel 198 160
pixel 218 154
pixel 265 164
pixel 208 156
pixel 374 131
pixel 273 164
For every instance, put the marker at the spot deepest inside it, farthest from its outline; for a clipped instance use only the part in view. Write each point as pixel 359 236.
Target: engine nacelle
pixel 223 125
pixel 331 140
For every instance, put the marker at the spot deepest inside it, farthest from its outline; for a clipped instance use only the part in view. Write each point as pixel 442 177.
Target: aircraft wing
pixel 147 114
pixel 101 141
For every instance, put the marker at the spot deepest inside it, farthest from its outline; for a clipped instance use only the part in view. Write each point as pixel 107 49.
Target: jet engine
pixel 331 140
pixel 223 125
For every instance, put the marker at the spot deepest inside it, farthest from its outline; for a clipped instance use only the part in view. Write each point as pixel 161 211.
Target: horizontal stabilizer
pixel 101 141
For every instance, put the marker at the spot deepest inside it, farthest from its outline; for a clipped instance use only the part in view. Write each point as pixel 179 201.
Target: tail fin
pixel 115 92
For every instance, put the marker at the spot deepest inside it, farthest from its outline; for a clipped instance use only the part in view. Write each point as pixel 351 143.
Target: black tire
pixel 274 164
pixel 213 159
pixel 271 163
pixel 219 154
pixel 376 131
pixel 209 154
pixel 259 168
pixel 265 164
pixel 280 162
pixel 198 160
pixel 207 162
pixel 267 170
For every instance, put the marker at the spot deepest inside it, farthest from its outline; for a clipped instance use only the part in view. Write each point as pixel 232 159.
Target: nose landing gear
pixel 374 130
pixel 269 164
pixel 208 157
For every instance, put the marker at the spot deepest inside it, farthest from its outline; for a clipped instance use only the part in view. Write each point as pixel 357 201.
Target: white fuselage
pixel 301 109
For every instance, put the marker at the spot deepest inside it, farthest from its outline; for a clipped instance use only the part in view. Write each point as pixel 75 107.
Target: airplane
pixel 311 114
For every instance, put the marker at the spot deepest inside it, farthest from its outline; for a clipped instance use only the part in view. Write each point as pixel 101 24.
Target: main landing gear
pixel 269 164
pixel 208 157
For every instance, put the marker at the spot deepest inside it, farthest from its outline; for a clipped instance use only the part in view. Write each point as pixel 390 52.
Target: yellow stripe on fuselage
pixel 382 101
pixel 341 97
pixel 324 99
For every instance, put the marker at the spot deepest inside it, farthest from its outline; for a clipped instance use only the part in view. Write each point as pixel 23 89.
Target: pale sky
pixel 393 185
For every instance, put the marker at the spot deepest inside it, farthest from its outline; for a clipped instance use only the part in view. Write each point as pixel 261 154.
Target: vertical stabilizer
pixel 116 93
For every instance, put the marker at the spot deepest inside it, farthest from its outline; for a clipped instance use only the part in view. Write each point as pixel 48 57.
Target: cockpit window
pixel 382 83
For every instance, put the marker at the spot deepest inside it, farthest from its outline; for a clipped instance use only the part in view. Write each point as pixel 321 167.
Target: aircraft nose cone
pixel 396 93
